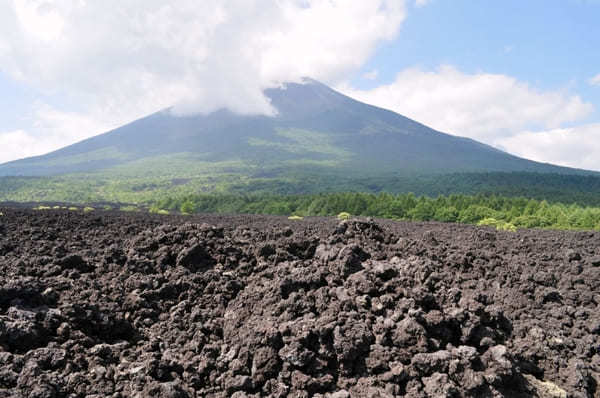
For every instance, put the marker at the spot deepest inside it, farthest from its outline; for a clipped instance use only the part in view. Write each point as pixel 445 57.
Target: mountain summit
pixel 317 129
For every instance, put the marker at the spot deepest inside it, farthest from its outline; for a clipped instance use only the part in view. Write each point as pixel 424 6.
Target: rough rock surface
pixel 134 305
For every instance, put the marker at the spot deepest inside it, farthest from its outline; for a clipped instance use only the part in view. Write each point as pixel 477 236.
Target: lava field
pixel 109 304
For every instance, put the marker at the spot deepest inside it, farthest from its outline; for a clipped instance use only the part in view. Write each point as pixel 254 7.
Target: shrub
pixel 343 216
pixel 87 209
pixel 42 208
pixel 73 208
pixel 499 224
pixel 423 211
pixel 475 213
pixel 507 226
pixel 488 221
pixel 187 207
pixel 526 221
pixel 295 218
pixel 156 210
pixel 446 214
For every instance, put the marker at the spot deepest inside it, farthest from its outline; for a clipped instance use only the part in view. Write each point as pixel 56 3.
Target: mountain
pixel 318 135
pixel 315 125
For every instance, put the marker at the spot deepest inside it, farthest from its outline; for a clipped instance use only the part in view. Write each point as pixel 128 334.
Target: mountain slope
pixel 317 131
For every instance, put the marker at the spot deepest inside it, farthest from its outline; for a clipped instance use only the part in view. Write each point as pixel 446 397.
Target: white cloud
pixel 39 19
pixel 134 57
pixel 120 60
pixel 575 146
pixel 422 3
pixel 19 142
pixel 483 106
pixel 51 129
pixel 595 81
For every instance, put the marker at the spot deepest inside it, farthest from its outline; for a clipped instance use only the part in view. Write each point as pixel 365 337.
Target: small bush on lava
pixel 499 224
pixel 157 210
pixel 343 216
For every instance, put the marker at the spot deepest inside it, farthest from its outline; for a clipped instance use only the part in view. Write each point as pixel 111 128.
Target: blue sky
pixel 551 44
pixel 514 74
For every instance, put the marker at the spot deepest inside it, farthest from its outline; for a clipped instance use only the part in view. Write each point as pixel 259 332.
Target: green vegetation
pixel 499 224
pixel 187 207
pixel 503 200
pixel 42 207
pixel 504 213
pixel 343 216
pixel 156 210
pixel 244 178
pixel 305 143
pixel 88 209
pixel 295 218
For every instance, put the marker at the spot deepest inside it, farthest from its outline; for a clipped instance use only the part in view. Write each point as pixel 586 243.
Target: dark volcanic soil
pixel 132 305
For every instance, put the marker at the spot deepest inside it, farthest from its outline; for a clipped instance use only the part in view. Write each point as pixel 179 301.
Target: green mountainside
pixel 319 141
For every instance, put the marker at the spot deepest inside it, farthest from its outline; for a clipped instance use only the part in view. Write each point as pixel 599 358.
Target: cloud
pixel 483 106
pixel 51 129
pixel 422 3
pixel 575 146
pixel 130 58
pixel 18 141
pixel 110 62
pixel 595 81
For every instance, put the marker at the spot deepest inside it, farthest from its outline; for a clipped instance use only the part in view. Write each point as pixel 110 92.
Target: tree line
pixel 502 211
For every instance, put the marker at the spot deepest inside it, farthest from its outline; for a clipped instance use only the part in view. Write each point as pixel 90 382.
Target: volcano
pixel 316 128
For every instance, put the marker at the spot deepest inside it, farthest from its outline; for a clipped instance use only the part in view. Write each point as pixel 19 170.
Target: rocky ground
pixel 134 305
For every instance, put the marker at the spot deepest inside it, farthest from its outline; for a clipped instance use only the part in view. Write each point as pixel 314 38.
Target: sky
pixel 523 76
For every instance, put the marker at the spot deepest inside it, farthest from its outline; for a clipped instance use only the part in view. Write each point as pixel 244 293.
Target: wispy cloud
pixel 51 129
pixel 595 81
pixel 18 142
pixel 574 146
pixel 483 106
pixel 495 109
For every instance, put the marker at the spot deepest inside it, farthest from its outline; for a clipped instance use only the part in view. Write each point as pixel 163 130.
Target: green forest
pixel 508 213
pixel 583 190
